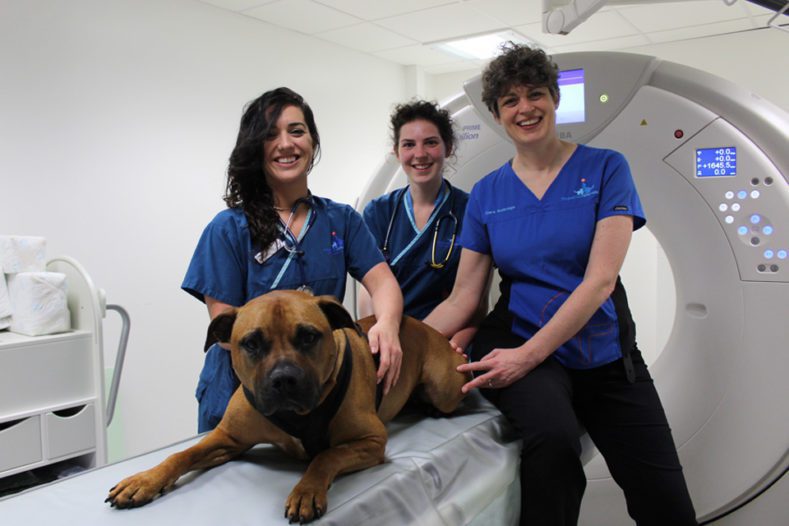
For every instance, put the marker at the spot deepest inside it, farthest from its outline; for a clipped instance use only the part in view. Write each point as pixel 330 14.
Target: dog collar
pixel 311 428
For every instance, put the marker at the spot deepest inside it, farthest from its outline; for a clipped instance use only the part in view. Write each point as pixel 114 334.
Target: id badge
pixel 263 256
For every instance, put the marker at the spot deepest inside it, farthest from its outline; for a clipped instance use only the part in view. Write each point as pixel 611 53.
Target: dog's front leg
pixel 308 499
pixel 216 448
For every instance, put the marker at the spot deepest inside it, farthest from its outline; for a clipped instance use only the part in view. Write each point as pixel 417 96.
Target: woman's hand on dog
pixel 384 339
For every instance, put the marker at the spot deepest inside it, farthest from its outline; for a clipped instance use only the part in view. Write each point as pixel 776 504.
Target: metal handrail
pixel 119 358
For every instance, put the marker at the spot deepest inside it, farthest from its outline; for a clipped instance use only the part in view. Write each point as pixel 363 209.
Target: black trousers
pixel 625 420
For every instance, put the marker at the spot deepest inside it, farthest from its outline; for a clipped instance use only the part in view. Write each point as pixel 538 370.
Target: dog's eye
pixel 307 337
pixel 255 344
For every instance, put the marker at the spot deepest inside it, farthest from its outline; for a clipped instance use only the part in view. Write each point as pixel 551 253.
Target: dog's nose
pixel 285 377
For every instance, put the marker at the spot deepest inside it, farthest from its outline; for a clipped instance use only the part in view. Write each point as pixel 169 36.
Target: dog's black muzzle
pixel 288 387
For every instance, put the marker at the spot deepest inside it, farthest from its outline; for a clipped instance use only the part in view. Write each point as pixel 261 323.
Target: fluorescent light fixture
pixel 481 47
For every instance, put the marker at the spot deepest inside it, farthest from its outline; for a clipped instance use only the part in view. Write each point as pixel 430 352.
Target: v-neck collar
pixel 552 184
pixel 441 199
pixel 408 204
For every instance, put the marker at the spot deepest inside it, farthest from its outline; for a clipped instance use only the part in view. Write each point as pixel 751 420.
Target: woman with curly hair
pixel 558 350
pixel 276 235
pixel 417 227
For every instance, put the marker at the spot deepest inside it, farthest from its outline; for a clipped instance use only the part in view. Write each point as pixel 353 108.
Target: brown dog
pixel 305 368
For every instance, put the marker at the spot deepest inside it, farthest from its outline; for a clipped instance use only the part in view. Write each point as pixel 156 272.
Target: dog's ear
pixel 338 317
pixel 220 329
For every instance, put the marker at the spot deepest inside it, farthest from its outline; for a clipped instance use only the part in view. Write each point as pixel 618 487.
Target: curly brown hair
pixel 427 111
pixel 247 188
pixel 518 65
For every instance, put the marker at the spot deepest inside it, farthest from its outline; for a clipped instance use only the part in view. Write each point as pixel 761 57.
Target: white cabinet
pixel 48 401
pixel 20 444
pixel 52 387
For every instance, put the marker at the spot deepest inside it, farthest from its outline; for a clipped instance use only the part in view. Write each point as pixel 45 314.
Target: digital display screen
pixel 572 108
pixel 716 162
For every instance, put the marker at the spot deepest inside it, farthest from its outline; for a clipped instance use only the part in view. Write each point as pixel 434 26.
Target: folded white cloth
pixel 39 303
pixel 23 254
pixel 5 303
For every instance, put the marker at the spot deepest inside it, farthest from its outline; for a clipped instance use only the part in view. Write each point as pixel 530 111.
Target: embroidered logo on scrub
pixel 337 245
pixel 582 192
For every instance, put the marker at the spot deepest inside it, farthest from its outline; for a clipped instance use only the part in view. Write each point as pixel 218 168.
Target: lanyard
pixel 293 244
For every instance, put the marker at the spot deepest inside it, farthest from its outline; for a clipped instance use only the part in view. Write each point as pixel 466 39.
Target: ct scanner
pixel 710 161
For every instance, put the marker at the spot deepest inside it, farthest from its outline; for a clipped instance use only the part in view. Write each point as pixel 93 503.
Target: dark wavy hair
pixel 247 188
pixel 428 111
pixel 518 65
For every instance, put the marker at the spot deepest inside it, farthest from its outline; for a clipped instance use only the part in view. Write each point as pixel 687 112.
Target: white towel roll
pixel 23 254
pixel 39 303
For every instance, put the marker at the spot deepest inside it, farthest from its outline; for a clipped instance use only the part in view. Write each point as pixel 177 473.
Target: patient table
pixel 451 471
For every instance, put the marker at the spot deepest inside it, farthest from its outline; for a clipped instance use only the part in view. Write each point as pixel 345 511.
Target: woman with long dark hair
pixel 275 234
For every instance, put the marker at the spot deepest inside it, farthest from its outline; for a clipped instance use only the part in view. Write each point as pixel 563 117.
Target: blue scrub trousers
pixel 625 420
pixel 216 385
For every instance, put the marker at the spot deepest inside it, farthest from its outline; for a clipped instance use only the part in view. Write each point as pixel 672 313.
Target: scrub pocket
pixel 216 385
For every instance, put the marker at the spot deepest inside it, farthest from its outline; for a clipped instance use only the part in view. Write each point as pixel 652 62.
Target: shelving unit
pixel 52 387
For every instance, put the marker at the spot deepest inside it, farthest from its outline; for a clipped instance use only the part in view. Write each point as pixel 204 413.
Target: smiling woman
pixel 559 347
pixel 288 153
pixel 417 226
pixel 275 234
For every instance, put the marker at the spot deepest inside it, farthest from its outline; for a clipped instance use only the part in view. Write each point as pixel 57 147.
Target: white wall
pixel 755 60
pixel 116 121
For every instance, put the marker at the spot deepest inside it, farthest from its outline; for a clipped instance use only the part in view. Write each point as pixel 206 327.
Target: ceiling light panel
pixel 481 47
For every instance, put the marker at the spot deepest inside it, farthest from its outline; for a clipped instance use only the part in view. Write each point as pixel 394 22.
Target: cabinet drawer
pixel 20 443
pixel 41 372
pixel 70 430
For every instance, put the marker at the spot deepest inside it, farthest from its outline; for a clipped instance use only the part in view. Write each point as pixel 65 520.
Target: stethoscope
pixel 436 227
pixel 292 244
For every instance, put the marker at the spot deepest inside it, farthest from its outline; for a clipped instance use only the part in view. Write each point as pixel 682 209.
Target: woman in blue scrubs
pixel 276 235
pixel 559 347
pixel 418 227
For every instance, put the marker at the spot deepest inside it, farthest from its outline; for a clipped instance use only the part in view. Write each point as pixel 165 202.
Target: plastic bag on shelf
pixel 39 303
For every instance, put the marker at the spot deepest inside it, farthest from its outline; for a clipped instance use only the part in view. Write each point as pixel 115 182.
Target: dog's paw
pixel 137 490
pixel 305 504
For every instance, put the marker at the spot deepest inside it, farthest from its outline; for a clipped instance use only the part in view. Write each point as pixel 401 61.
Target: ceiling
pixel 406 31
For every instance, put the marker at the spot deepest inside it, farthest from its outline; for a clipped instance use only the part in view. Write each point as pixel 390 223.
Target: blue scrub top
pixel 410 250
pixel 336 242
pixel 543 245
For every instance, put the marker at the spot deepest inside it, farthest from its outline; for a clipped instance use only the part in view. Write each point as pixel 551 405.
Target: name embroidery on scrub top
pixel 408 204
